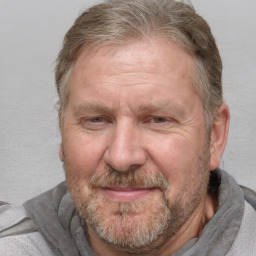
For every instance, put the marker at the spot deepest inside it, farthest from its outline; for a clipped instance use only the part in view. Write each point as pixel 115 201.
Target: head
pixel 141 118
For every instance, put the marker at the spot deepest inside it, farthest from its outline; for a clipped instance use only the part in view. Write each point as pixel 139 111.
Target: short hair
pixel 118 21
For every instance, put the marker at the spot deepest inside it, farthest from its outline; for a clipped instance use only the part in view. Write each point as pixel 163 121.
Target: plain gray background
pixel 31 33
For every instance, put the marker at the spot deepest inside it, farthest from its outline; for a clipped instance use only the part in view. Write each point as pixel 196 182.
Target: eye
pixel 158 120
pixel 97 119
pixel 96 123
pixel 159 123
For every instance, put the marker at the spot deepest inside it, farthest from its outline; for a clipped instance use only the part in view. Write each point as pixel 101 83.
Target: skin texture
pixel 135 148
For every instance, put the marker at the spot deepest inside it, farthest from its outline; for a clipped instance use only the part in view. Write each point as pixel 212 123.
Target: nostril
pixel 134 167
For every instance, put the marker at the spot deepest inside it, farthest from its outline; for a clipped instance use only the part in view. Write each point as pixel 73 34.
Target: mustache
pixel 131 179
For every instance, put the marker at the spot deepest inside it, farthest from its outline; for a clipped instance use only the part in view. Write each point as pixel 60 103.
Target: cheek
pixel 178 159
pixel 175 155
pixel 83 155
pixel 80 161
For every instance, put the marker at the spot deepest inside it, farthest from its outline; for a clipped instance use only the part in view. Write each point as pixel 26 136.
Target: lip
pixel 126 193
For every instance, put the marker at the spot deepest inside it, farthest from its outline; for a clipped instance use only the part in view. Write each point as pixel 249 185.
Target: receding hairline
pixel 93 48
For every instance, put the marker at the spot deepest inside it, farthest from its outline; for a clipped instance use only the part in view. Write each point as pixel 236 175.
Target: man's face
pixel 134 142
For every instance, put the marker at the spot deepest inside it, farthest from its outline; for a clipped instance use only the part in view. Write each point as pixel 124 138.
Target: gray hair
pixel 118 21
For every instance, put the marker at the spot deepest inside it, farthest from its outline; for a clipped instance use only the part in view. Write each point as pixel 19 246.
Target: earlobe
pixel 219 135
pixel 61 155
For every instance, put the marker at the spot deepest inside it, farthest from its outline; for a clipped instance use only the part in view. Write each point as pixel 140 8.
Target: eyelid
pixel 91 116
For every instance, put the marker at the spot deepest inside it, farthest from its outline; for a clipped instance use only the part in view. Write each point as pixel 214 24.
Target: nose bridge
pixel 125 149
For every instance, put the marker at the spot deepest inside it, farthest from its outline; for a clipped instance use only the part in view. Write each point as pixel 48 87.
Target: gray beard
pixel 123 229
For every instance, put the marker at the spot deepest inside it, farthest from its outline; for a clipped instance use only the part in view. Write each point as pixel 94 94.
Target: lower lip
pixel 126 194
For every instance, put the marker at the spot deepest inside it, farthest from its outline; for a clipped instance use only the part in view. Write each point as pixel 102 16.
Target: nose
pixel 125 151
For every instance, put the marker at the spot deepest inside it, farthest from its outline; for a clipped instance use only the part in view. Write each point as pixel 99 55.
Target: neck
pixel 191 229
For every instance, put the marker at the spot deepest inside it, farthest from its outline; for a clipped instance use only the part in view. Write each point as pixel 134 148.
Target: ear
pixel 61 154
pixel 219 135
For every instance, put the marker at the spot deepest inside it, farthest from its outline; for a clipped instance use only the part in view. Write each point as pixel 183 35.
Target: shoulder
pixel 30 244
pixel 245 242
pixel 18 234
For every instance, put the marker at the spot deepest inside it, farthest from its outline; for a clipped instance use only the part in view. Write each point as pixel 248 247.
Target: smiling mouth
pixel 126 194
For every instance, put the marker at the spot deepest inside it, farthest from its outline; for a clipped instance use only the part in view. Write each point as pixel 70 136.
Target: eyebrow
pixel 90 107
pixel 163 106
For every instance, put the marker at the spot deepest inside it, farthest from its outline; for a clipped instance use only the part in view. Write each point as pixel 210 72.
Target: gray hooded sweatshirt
pixel 50 225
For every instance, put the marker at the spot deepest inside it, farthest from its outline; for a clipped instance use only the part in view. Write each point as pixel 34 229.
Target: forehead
pixel 163 55
pixel 139 69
